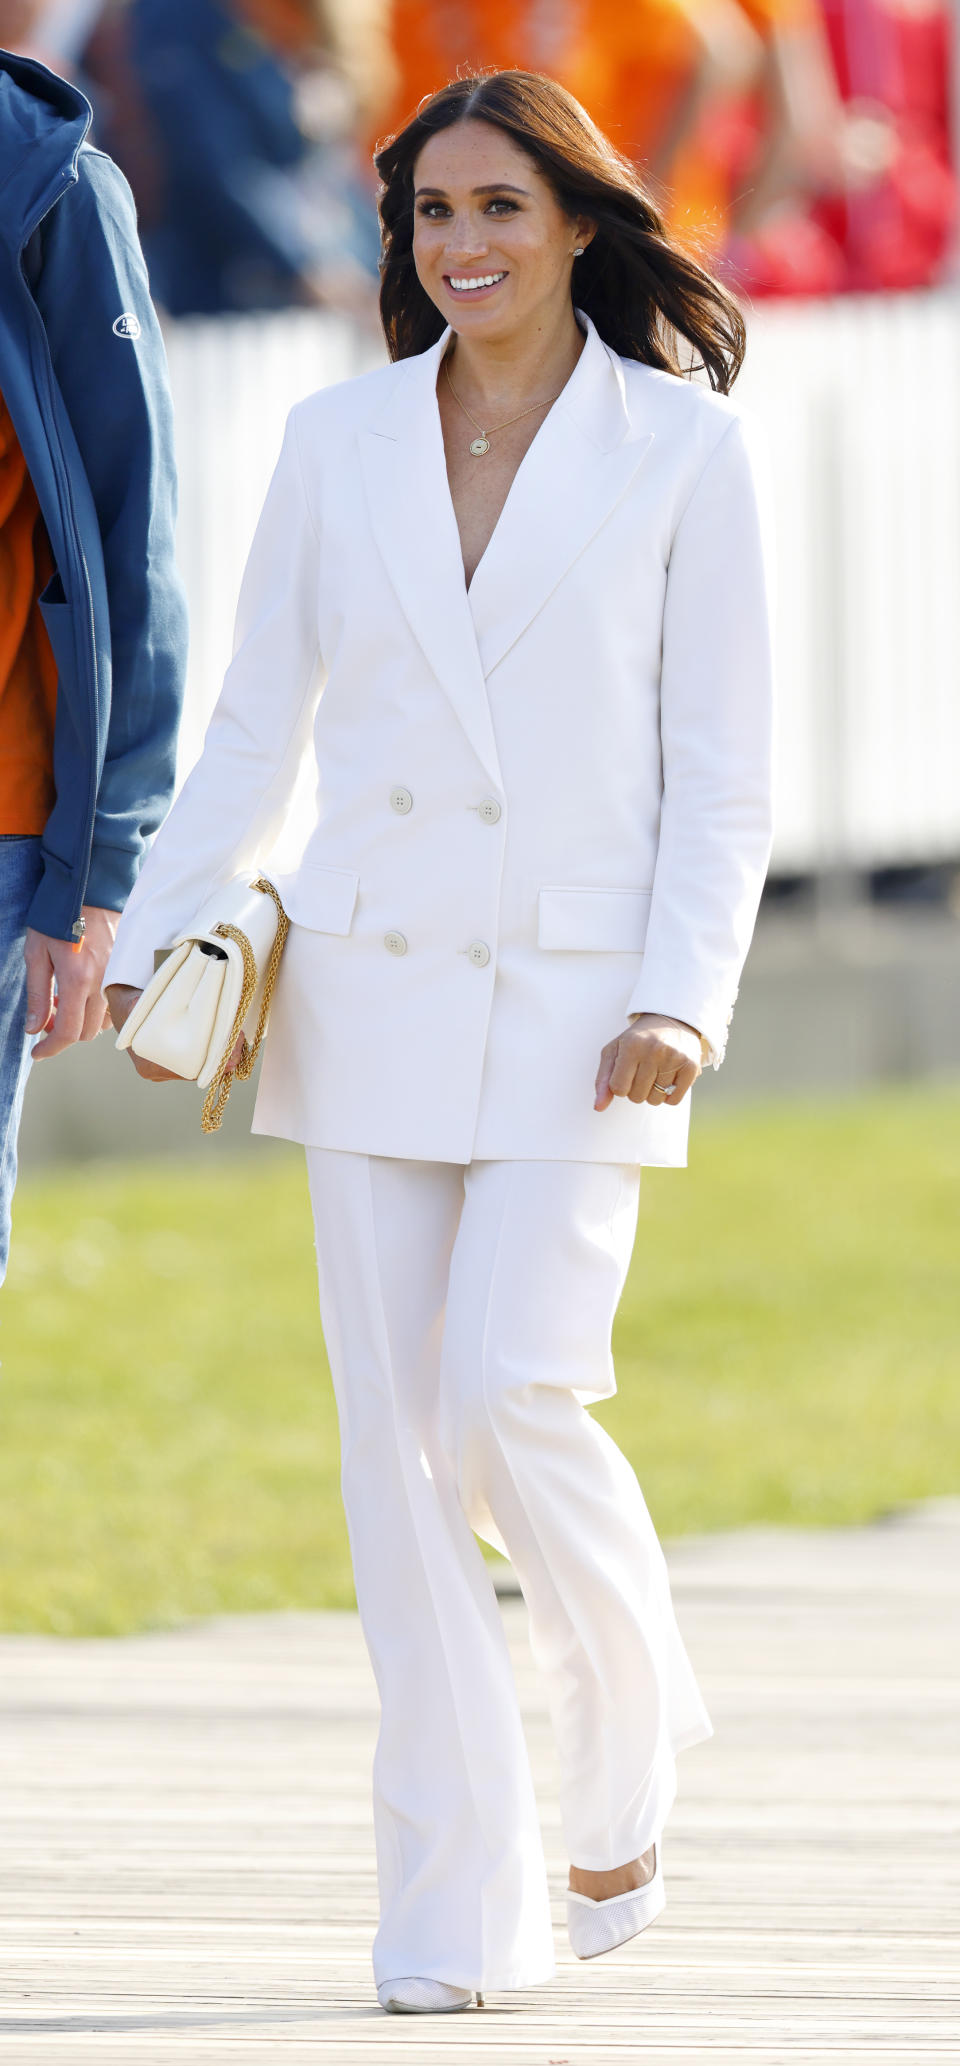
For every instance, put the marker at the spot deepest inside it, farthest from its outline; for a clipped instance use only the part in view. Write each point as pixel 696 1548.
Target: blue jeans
pixel 19 876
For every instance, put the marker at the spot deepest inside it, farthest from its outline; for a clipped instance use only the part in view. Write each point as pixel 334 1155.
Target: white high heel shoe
pixel 596 1926
pixel 423 1997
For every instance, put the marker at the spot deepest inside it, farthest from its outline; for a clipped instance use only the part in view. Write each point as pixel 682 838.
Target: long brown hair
pixel 643 293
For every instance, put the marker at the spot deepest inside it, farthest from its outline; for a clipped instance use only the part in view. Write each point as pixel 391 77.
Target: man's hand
pixel 63 983
pixel 653 1062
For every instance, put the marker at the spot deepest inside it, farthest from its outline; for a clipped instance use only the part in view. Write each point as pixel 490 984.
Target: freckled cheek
pixel 428 264
pixel 435 257
pixel 528 254
pixel 527 269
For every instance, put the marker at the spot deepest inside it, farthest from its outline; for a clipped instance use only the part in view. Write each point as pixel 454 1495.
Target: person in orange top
pixel 731 106
pixel 646 70
pixel 92 617
pixel 28 670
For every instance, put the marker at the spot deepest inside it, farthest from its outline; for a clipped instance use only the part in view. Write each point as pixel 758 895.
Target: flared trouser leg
pixel 468 1315
pixel 536 1274
pixel 460 1861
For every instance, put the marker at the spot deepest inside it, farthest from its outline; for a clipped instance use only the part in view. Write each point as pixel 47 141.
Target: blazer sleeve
pixel 231 808
pixel 716 693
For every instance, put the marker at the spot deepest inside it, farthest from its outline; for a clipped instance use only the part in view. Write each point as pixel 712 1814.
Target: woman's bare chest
pixel 479 486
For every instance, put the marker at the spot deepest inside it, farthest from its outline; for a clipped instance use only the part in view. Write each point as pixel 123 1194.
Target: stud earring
pixel 579 251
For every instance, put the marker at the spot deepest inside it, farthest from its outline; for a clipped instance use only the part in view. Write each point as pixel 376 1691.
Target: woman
pixel 525 565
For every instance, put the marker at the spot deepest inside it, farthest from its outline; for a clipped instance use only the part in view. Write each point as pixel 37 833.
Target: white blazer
pixel 542 804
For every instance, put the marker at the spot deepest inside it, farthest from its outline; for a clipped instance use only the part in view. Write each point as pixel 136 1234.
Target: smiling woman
pixel 496 253
pixel 515 585
pixel 490 194
pixel 644 294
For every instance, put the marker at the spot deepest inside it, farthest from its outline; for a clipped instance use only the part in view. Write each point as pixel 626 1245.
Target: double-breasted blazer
pixel 542 803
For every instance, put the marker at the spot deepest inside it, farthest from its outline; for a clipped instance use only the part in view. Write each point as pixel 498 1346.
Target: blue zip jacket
pixel 83 374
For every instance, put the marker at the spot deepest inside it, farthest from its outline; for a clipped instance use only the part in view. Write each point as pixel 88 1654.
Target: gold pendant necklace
pixel 481 444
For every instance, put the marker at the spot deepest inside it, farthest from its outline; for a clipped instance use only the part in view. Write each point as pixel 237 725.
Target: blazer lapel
pixel 579 465
pixel 411 513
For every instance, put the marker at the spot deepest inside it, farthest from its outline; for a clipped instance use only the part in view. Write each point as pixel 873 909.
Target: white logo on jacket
pixel 127 326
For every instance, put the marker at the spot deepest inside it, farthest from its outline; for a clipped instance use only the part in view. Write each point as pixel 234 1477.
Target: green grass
pixel 788 1350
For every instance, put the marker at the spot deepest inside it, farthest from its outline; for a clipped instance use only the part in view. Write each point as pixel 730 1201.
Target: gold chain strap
pixel 214 1104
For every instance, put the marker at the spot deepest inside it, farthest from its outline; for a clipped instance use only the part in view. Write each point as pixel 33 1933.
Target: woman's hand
pixel 121 998
pixel 653 1062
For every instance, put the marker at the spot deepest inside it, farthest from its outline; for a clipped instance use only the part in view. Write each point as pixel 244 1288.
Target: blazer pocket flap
pixel 320 899
pixel 607 921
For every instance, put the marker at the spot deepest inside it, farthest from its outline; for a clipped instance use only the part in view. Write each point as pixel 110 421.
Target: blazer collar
pixel 594 399
pixel 578 467
pixel 411 515
pixel 580 464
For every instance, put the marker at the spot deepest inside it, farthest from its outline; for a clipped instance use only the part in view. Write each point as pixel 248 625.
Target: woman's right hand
pixel 121 998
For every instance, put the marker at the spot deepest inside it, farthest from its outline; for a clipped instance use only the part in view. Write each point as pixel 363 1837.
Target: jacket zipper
pixel 71 529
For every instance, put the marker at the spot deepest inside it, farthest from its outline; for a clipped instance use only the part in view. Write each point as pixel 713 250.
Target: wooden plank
pixel 186 1872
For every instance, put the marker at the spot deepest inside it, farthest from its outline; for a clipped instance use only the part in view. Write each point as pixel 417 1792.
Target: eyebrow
pixel 496 186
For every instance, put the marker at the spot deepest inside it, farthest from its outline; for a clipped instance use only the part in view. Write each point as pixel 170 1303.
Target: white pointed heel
pixel 424 1997
pixel 597 1926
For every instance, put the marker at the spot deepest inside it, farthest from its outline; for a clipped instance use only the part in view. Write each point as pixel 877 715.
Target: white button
pixel 401 800
pixel 394 943
pixel 489 810
pixel 479 953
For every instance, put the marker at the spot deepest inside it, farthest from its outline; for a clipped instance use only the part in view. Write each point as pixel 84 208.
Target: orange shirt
pixel 28 671
pixel 767 15
pixel 622 61
pixel 626 61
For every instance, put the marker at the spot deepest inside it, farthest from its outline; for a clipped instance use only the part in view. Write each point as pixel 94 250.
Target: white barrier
pixel 862 402
pixel 861 399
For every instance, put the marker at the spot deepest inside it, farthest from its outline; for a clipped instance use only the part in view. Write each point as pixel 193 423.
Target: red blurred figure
pixel 894 57
pixel 861 200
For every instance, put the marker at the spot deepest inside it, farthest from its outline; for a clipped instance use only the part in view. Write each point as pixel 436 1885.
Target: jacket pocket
pixel 58 620
pixel 599 921
pixel 320 899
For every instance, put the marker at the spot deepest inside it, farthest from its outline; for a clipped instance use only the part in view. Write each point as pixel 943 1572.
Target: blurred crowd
pixel 797 147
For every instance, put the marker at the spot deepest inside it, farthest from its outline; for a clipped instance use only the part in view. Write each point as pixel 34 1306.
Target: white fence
pixel 862 402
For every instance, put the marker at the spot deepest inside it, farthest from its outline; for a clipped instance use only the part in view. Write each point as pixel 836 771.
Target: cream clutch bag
pixel 214 985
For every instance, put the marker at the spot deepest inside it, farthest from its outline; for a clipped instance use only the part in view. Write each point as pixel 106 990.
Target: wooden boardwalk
pixel 186 1858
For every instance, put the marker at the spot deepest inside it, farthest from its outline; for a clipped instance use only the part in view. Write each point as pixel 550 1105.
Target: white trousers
pixel 467 1313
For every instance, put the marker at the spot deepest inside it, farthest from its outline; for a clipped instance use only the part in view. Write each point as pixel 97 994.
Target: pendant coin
pixel 479 447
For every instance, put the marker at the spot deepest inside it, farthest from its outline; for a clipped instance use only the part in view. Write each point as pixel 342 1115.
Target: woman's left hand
pixel 653 1062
